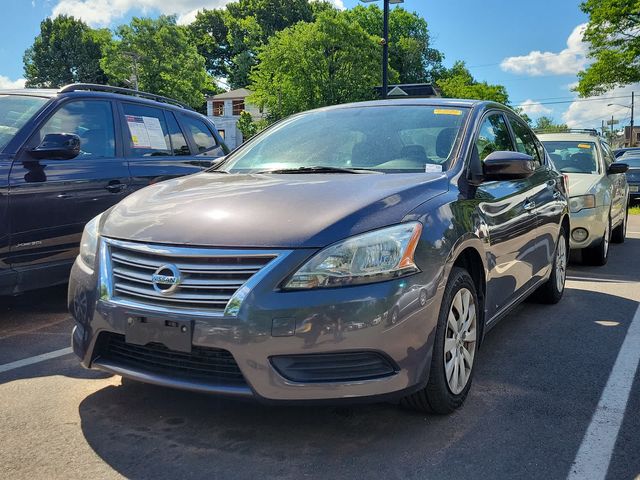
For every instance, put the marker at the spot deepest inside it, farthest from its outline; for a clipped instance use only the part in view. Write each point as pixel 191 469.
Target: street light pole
pixel 631 133
pixel 385 50
pixel 385 43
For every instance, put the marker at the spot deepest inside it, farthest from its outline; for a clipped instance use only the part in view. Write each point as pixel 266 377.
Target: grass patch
pixel 635 210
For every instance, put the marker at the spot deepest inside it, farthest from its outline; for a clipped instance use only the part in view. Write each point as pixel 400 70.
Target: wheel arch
pixel 470 259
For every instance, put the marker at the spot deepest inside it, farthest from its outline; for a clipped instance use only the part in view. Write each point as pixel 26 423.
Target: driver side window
pixel 493 136
pixel 91 120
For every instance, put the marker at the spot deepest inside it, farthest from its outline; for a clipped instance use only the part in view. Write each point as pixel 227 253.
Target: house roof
pixel 232 94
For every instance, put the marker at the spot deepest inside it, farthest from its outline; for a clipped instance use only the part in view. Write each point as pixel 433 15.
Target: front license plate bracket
pixel 173 334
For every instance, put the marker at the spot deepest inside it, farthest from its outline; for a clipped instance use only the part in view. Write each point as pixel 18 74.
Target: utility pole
pixel 385 51
pixel 631 133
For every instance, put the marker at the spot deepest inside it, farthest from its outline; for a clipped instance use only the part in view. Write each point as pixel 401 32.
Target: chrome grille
pixel 209 277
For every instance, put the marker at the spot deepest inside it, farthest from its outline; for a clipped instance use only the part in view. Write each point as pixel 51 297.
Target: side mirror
pixel 508 166
pixel 617 168
pixel 57 146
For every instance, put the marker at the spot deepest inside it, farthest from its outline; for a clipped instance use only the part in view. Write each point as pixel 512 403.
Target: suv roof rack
pixel 94 87
pixel 588 131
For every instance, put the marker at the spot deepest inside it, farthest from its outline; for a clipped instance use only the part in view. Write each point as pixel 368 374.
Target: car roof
pixel 448 102
pixel 567 137
pixel 32 92
pixel 126 95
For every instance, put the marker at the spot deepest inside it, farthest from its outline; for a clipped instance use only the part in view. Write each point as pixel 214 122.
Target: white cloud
pixel 534 109
pixel 102 13
pixel 589 112
pixel 6 82
pixel 566 62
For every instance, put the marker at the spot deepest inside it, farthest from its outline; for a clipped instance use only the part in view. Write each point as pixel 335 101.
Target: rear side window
pixel 493 136
pixel 202 137
pixel 178 142
pixel 525 140
pixel 91 120
pixel 146 130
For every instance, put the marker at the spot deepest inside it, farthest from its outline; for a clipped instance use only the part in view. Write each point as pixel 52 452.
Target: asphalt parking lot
pixel 536 408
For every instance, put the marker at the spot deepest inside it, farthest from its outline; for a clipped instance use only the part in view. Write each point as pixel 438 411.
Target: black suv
pixel 67 155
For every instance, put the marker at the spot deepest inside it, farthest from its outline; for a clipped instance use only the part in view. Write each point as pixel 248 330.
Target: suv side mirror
pixel 506 165
pixel 617 168
pixel 60 146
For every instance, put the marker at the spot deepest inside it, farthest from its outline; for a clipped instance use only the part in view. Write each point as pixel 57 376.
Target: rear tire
pixel 454 349
pixel 551 292
pixel 599 254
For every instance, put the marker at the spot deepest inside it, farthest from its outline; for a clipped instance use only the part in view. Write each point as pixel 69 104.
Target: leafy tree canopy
pixel 312 65
pixel 65 51
pixel 458 82
pixel 410 51
pixel 547 125
pixel 167 62
pixel 613 39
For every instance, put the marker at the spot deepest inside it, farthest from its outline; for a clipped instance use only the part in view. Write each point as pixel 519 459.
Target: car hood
pixel 268 210
pixel 581 183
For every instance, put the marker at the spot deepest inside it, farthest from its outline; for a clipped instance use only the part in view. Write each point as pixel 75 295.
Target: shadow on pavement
pixel 538 379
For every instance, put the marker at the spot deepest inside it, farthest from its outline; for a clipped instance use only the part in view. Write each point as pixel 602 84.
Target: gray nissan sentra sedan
pixel 354 252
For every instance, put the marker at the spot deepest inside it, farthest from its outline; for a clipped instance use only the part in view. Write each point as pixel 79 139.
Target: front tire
pixel 599 254
pixel 620 232
pixel 454 349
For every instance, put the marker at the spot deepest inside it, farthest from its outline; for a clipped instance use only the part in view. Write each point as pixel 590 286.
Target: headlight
pixel 580 203
pixel 89 242
pixel 371 257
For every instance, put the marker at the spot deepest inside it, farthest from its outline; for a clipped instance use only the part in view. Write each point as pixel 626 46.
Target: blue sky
pixel 533 48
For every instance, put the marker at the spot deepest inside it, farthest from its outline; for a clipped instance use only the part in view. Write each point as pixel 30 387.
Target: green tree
pixel 209 32
pixel 410 51
pixel 245 39
pixel 458 82
pixel 65 51
pixel 167 63
pixel 312 65
pixel 272 15
pixel 547 125
pixel 613 39
pixel 246 125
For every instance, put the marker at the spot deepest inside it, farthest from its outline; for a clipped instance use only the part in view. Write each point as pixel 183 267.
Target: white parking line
pixel 594 455
pixel 37 359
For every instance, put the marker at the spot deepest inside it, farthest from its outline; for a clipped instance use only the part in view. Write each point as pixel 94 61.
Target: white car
pixel 598 190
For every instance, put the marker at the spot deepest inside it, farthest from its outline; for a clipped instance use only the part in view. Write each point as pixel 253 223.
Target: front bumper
pixel 594 221
pixel 350 319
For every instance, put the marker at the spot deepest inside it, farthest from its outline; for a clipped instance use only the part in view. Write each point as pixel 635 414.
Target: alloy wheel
pixel 561 263
pixel 460 341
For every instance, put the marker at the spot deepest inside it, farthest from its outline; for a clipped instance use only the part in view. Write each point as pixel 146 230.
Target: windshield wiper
pixel 319 169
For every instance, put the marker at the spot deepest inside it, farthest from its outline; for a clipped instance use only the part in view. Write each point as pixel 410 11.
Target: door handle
pixel 556 195
pixel 529 205
pixel 114 187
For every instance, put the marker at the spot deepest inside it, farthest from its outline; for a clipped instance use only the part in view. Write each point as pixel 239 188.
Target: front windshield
pixel 388 139
pixel 15 111
pixel 573 157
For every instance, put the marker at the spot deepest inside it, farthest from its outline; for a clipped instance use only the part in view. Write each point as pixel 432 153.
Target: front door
pixel 51 200
pixel 508 210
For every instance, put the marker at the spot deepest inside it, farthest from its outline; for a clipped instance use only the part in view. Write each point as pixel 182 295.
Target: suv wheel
pixel 454 349
pixel 620 232
pixel 551 291
pixel 599 254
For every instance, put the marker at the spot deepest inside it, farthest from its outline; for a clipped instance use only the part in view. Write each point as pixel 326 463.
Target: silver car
pixel 598 191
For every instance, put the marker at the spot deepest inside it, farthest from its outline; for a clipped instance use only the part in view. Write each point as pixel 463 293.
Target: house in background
pixel 225 109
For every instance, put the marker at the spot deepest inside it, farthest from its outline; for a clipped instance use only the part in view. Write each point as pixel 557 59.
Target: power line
pixel 577 100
